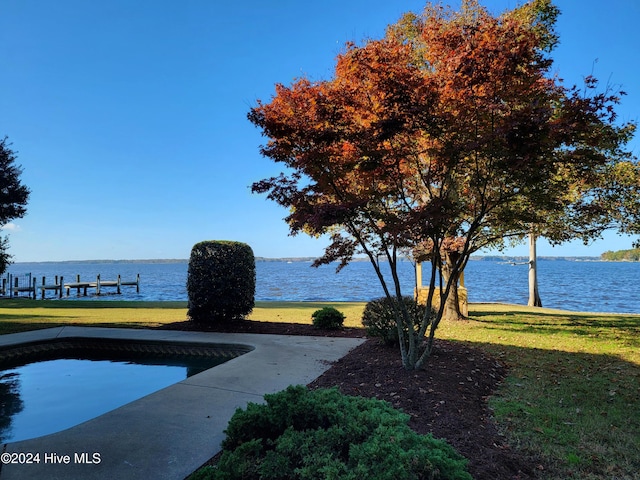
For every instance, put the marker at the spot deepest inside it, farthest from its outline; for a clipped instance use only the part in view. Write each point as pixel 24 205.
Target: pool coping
pixel 171 432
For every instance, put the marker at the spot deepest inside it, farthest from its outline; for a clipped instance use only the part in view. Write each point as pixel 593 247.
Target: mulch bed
pixel 448 398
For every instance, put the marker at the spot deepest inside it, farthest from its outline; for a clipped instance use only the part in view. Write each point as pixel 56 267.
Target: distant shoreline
pixel 491 258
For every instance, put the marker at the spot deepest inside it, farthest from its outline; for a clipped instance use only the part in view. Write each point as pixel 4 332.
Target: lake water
pixel 570 285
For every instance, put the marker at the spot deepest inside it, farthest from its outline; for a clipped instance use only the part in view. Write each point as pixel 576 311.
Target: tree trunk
pixel 452 304
pixel 534 295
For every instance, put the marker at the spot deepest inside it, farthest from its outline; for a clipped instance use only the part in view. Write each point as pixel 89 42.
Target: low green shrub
pixel 379 317
pixel 328 317
pixel 303 434
pixel 221 281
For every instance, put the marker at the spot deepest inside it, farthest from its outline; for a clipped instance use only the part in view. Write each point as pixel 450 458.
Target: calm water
pixel 46 397
pixel 570 285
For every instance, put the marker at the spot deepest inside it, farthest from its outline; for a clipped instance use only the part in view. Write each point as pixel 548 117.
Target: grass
pixel 23 314
pixel 300 312
pixel 572 397
pixel 573 393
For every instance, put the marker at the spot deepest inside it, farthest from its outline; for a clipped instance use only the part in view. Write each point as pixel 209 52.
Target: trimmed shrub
pixel 379 318
pixel 328 318
pixel 221 281
pixel 303 434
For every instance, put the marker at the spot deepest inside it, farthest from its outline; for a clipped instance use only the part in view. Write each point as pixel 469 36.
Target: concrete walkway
pixel 170 433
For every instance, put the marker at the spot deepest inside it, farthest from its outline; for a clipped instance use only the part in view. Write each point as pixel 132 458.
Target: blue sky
pixel 129 116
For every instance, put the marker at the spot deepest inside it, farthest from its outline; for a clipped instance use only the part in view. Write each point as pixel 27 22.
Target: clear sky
pixel 129 116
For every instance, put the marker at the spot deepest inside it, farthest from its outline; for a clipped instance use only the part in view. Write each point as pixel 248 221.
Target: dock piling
pixel 29 285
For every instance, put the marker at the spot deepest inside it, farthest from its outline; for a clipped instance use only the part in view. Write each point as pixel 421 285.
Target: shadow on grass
pixel 18 327
pixel 573 316
pixel 579 411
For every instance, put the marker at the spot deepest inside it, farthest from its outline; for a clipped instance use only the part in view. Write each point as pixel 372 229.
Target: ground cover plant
pixel 310 434
pixel 568 407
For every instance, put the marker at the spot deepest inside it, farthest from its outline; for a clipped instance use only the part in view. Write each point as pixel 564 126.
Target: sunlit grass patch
pixel 300 312
pixel 24 314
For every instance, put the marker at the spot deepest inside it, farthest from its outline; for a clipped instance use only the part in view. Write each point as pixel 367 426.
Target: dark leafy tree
pixel 13 197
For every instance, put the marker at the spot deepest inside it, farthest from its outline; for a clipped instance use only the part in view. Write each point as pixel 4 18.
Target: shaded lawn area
pixel 572 395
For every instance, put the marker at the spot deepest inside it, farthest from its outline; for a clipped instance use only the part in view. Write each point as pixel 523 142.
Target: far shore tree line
pixel 632 255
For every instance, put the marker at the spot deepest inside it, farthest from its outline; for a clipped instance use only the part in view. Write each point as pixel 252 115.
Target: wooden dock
pixel 58 286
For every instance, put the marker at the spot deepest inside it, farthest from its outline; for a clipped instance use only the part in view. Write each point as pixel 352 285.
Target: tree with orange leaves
pixel 449 127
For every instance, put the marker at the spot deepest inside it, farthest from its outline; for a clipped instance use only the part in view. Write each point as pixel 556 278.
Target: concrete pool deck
pixel 169 433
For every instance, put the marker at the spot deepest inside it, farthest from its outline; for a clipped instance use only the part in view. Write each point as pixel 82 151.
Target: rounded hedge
pixel 304 434
pixel 221 281
pixel 379 317
pixel 328 318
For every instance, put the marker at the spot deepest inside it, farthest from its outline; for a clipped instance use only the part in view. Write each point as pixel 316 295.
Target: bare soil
pixel 448 398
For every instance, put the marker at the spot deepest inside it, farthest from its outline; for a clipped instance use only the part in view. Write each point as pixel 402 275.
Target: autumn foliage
pixel 451 126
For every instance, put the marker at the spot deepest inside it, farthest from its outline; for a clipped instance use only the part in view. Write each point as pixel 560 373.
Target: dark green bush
pixel 327 317
pixel 221 281
pixel 303 434
pixel 379 318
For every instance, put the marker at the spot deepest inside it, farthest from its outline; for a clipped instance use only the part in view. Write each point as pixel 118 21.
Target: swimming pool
pixel 49 386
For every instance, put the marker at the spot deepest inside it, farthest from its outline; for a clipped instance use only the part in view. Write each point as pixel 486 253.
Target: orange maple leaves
pixel 448 121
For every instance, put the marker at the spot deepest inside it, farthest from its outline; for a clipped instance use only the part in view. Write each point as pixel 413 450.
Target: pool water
pixel 48 396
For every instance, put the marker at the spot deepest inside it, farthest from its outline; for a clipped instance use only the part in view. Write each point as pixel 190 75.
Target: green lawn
pixel 22 314
pixel 572 396
pixel 573 393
